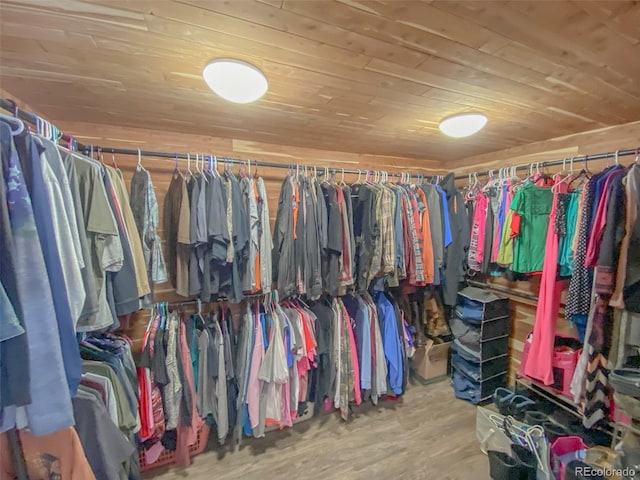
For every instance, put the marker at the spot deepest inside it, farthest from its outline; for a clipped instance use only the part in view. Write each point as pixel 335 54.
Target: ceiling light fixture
pixel 463 125
pixel 235 80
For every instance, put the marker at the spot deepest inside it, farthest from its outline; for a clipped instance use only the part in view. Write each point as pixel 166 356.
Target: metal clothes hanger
pixel 189 164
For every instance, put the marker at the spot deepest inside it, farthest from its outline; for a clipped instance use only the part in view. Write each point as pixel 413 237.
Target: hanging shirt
pixel 36 171
pixel 533 205
pixel 65 225
pixel 58 455
pixel 391 343
pixel 144 207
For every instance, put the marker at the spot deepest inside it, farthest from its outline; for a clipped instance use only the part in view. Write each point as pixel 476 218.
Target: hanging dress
pixel 539 362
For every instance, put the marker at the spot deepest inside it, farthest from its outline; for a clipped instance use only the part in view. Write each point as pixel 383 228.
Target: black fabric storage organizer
pixel 480 350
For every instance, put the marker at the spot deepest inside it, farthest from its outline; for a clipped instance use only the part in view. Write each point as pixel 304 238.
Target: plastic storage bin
pixel 168 457
pixel 565 358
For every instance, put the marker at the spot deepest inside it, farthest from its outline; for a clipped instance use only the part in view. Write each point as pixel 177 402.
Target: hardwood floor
pixel 427 435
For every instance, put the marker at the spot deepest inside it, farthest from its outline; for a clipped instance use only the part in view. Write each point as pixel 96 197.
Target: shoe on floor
pixel 503 466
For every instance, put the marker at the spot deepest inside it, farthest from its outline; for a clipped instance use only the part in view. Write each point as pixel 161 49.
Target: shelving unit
pixel 549 394
pixel 614 429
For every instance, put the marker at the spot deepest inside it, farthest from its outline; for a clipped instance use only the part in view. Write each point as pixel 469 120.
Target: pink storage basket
pixel 168 457
pixel 563 446
pixel 565 358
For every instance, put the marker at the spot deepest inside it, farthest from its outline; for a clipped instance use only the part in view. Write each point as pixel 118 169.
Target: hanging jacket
pixel 455 253
pixel 283 259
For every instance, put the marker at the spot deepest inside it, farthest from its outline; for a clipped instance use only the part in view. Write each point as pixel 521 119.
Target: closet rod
pixel 219 300
pixel 32 118
pixel 584 158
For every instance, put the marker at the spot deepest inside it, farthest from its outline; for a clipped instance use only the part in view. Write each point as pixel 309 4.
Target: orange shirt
pixel 58 455
pixel 428 262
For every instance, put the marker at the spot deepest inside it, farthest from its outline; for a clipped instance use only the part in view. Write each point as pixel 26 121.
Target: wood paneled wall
pixel 622 137
pixel 609 139
pixel 161 168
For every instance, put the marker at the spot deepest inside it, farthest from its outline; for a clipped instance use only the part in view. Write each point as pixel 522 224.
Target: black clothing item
pixel 159 360
pixel 170 440
pixel 323 216
pixel 232 380
pixel 331 256
pixel 312 234
pixel 171 216
pixel 14 356
pixel 187 402
pixel 613 233
pixel 217 228
pixel 321 381
pixel 456 252
pixel 631 290
pixel 283 258
pixel 346 191
pixel 241 238
pixel 502 466
pixel 299 241
pixel 218 233
pixel 196 250
pixel 365 231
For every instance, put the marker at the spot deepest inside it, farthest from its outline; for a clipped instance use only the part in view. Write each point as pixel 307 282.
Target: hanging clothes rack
pixel 34 119
pixel 551 163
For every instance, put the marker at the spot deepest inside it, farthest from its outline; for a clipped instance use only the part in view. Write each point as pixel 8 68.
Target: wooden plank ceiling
pixel 360 76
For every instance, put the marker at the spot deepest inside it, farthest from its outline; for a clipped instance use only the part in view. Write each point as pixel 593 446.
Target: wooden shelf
pixel 560 401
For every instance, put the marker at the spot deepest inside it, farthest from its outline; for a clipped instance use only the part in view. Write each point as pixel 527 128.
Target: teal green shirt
pixel 533 204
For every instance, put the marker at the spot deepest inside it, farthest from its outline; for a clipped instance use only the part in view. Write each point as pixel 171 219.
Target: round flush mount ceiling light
pixel 463 125
pixel 235 80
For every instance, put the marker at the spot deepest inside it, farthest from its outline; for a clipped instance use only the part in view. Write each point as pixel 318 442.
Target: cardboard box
pixel 432 360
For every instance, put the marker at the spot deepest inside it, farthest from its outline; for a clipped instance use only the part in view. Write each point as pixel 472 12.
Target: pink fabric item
pixel 597 228
pixel 540 358
pixel 285 415
pixel 357 394
pixel 145 405
pixel 255 384
pixel 476 247
pixel 152 454
pixel 187 434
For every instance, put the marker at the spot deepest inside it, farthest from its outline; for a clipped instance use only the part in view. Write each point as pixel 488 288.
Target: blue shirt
pixel 50 409
pixel 445 215
pixel 362 332
pixel 34 179
pixel 391 343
